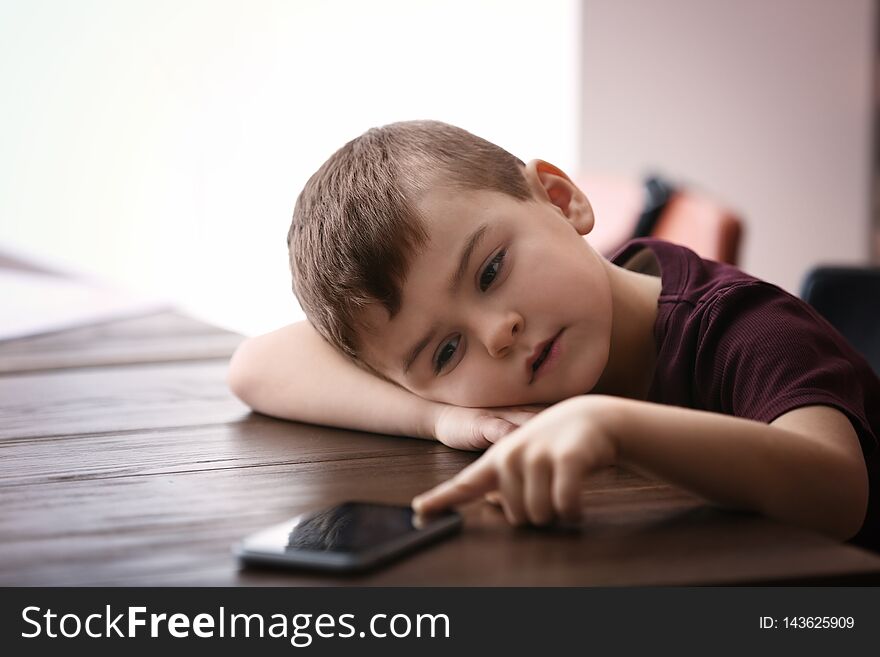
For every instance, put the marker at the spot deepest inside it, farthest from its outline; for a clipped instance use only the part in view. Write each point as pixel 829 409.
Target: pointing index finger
pixel 469 484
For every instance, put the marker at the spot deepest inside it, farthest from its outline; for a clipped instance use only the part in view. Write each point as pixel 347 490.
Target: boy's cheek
pixel 433 395
pixel 470 397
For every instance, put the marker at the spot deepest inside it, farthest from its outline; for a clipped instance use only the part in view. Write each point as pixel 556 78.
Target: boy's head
pixel 378 236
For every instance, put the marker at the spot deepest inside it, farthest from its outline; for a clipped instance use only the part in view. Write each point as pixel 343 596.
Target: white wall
pixel 765 103
pixel 162 143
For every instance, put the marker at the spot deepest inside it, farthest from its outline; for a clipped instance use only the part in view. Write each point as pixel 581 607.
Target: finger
pixel 473 481
pixel 519 417
pixel 566 486
pixel 494 429
pixel 510 485
pixel 493 497
pixel 537 483
pixel 516 418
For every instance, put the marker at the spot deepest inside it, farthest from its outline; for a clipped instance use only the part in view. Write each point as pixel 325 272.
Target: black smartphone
pixel 352 536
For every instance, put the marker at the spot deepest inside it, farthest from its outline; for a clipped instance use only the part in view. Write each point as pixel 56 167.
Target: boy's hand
pixel 537 470
pixel 479 428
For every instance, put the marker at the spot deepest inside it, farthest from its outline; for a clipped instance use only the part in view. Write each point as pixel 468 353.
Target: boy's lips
pixel 539 351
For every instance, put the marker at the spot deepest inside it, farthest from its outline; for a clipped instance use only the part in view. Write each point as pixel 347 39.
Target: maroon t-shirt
pixel 730 343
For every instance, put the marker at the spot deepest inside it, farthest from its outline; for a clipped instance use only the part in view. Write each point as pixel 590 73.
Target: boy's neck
pixel 633 352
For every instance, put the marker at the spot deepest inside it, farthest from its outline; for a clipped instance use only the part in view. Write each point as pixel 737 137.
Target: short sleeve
pixel 762 353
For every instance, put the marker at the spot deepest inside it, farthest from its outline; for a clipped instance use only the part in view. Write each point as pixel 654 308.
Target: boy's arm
pixel 806 468
pixel 294 374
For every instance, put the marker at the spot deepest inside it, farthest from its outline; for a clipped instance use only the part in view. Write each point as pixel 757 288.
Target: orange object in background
pixel 687 217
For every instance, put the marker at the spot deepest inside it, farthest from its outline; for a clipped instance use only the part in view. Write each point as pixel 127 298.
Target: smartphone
pixel 352 536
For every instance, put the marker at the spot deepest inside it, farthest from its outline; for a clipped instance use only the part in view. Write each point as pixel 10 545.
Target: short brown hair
pixel 355 227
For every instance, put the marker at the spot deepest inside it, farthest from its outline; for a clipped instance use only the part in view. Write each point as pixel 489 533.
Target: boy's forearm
pixel 742 464
pixel 294 374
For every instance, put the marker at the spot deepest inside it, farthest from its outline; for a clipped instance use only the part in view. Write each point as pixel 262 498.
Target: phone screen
pixel 352 533
pixel 351 527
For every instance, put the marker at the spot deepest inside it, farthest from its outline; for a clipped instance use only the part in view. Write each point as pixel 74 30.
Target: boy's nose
pixel 503 333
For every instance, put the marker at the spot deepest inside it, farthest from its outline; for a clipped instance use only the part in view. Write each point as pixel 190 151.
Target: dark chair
pixel 849 298
pixel 627 208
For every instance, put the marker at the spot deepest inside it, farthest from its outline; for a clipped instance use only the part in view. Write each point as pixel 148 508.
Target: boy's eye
pixel 447 351
pixel 492 270
pixel 490 273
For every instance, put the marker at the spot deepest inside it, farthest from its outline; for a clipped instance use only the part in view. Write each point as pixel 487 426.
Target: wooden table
pixel 126 461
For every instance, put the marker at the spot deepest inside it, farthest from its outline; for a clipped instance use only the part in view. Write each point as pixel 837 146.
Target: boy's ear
pixel 550 183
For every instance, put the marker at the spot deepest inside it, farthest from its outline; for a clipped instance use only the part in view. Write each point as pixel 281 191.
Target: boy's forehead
pixel 372 320
pixel 377 336
pixel 383 338
pixel 441 201
pixel 450 218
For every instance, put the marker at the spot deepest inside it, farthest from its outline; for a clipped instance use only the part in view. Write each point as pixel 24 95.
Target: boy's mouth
pixel 540 355
pixel 541 358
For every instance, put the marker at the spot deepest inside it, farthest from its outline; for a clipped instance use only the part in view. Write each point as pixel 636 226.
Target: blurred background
pixel 160 146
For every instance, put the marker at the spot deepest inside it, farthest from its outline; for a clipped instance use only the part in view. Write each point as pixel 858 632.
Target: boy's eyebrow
pixel 415 351
pixel 471 243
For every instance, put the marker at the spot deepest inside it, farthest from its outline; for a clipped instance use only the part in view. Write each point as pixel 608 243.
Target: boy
pixel 450 295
